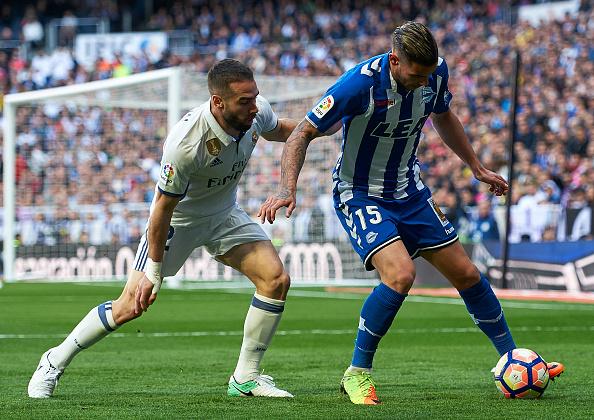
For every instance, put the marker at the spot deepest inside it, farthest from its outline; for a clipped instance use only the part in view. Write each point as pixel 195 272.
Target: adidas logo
pixel 216 162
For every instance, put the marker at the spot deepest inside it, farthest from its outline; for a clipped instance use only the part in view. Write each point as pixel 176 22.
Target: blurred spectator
pixel 483 226
pixel 31 27
pixel 67 29
pixel 549 234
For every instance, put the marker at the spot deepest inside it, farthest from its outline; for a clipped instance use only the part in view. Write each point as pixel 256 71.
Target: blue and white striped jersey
pixel 382 125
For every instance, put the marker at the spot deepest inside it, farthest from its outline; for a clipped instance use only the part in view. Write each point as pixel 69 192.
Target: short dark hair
pixel 415 41
pixel 225 72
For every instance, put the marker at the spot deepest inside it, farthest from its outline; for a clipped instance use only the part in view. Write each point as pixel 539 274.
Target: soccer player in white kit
pixel 195 205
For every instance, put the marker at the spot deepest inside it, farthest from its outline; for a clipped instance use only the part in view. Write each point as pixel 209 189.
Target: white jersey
pixel 202 163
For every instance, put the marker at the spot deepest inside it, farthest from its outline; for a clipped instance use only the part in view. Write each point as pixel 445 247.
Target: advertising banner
pixel 563 266
pixel 311 263
pixel 90 47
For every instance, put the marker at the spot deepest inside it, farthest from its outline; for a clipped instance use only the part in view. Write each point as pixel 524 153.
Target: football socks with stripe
pixel 485 310
pixel 260 325
pixel 377 315
pixel 93 327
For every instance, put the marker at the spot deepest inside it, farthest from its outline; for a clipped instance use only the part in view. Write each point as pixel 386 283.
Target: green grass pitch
pixel 174 362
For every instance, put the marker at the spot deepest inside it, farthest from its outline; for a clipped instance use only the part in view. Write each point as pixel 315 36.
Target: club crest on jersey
pixel 427 94
pixel 254 138
pixel 324 106
pixel 442 217
pixel 213 146
pixel 167 173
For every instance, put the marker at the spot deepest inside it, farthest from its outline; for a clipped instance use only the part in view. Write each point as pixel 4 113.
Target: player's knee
pixel 402 282
pixel 400 279
pixel 277 285
pixel 287 282
pixel 468 277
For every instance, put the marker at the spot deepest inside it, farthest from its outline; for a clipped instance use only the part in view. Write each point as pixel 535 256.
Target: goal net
pixel 80 165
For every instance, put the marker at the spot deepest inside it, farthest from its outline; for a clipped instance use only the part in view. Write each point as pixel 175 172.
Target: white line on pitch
pixel 303 332
pixel 360 297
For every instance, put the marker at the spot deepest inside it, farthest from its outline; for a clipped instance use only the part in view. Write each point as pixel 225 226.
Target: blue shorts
pixel 373 223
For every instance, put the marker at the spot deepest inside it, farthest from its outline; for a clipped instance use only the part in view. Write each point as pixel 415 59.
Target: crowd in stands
pixel 72 158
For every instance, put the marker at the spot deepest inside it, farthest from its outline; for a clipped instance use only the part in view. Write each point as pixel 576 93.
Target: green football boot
pixel 360 387
pixel 261 386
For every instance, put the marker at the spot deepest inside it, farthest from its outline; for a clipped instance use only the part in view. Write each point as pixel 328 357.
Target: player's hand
pixel 144 296
pixel 283 198
pixel 497 184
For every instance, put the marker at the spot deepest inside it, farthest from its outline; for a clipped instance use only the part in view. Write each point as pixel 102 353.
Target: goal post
pixel 89 94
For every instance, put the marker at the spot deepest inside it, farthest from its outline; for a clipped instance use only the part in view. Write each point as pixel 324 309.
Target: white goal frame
pixel 172 76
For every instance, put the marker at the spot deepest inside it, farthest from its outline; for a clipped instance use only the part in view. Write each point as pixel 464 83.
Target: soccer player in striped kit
pixel 379 197
pixel 195 205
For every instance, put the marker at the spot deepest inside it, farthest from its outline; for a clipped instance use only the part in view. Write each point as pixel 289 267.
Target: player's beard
pixel 399 79
pixel 236 123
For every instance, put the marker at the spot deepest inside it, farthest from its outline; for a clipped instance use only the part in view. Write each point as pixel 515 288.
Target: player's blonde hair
pixel 414 42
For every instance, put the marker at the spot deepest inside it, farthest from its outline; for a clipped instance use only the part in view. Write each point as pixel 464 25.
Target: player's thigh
pixel 257 260
pixel 260 262
pixel 453 262
pixel 422 224
pixel 395 266
pixel 233 228
pixel 370 225
pixel 240 243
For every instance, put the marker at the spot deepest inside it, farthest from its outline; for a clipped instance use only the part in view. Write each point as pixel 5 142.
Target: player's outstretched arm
pixel 450 130
pixel 282 131
pixel 149 285
pixel 291 164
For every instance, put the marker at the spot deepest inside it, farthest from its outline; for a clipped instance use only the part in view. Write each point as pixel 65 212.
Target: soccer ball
pixel 521 373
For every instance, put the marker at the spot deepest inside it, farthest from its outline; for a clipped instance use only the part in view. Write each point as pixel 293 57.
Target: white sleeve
pixel 177 164
pixel 267 118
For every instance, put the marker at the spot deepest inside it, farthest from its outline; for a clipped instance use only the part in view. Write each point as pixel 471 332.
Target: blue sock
pixel 486 312
pixel 377 315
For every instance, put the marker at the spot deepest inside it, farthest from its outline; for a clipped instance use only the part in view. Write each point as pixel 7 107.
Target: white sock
pixel 97 324
pixel 352 368
pixel 259 328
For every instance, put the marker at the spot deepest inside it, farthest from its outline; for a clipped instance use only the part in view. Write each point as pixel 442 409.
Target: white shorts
pixel 218 234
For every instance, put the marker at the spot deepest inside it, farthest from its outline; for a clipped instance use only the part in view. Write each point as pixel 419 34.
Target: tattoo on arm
pixel 283 194
pixel 294 156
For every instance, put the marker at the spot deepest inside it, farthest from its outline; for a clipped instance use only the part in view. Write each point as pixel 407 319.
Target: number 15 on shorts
pixel 359 222
pixel 373 216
